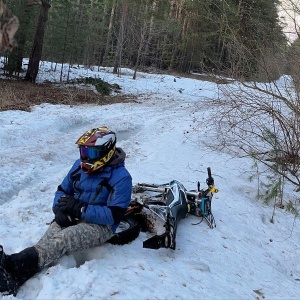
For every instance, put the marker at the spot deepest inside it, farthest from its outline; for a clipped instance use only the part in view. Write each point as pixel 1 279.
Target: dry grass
pixel 22 95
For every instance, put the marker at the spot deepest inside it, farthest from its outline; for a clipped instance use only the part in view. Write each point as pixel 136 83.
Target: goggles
pixel 91 152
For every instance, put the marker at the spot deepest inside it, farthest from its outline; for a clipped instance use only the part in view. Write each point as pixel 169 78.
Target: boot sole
pixel 8 285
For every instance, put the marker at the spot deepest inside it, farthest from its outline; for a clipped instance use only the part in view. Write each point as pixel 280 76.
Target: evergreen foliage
pixel 229 36
pixel 101 86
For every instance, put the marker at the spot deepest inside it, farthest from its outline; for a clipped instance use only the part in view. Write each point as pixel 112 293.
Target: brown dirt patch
pixel 22 95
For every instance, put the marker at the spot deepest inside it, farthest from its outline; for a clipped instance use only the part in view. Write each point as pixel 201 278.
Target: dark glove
pixel 63 219
pixel 62 203
pixel 71 206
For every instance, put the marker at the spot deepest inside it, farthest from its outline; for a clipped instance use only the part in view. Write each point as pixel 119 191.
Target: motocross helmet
pixel 96 147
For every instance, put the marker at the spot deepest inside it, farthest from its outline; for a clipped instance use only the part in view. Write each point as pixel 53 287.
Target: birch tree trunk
pixel 109 33
pixel 118 53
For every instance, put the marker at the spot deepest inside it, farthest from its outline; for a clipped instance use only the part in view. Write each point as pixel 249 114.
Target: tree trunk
pixel 36 52
pixel 146 59
pixel 139 53
pixel 109 33
pixel 15 58
pixel 118 53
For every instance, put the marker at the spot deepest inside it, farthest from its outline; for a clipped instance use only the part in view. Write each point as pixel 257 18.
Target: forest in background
pixel 243 39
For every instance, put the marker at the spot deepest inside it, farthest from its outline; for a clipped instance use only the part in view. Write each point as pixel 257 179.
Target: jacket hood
pixel 119 157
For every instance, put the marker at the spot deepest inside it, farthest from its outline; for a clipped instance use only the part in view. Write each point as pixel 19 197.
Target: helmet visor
pixel 91 152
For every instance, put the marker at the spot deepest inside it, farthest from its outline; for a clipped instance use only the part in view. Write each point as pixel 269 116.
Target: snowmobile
pixel 166 204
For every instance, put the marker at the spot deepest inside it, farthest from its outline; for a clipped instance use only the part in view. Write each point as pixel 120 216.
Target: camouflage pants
pixel 57 240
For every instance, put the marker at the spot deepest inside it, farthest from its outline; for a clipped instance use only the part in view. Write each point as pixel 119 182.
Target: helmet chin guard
pixel 89 166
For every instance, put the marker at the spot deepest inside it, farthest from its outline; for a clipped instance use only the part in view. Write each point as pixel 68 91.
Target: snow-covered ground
pixel 244 257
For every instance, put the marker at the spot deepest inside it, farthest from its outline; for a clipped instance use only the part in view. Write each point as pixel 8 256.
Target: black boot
pixel 8 285
pixel 17 268
pixel 2 257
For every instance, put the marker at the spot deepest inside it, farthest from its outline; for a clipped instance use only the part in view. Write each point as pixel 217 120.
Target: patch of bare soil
pixel 22 95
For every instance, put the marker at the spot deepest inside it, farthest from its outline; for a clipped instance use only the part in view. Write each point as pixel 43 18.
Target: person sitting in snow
pixel 88 206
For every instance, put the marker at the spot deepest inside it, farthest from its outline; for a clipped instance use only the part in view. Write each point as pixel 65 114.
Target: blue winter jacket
pixel 107 193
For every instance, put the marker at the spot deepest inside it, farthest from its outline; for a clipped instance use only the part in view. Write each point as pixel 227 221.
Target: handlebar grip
pixel 209 172
pixel 209 180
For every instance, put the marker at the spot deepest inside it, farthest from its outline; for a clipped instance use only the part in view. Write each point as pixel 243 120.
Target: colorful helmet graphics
pixel 96 147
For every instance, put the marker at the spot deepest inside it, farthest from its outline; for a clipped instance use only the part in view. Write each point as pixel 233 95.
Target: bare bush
pixel 22 95
pixel 261 121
